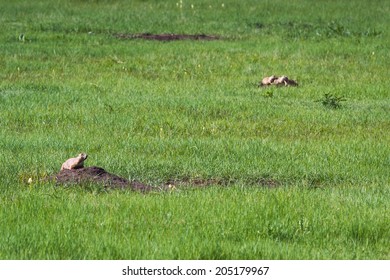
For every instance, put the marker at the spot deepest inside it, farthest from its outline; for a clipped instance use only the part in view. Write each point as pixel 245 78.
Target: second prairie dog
pixel 74 163
pixel 284 80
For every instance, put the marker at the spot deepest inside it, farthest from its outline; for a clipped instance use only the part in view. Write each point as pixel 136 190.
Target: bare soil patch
pixel 225 182
pixel 167 37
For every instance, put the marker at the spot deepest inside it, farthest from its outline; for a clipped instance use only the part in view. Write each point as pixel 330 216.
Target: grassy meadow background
pixel 303 178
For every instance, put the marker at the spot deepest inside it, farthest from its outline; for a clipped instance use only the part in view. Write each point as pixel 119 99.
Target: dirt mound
pixel 98 175
pixel 167 37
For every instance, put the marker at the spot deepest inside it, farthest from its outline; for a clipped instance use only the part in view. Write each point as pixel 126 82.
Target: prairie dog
pixel 268 80
pixel 74 163
pixel 282 81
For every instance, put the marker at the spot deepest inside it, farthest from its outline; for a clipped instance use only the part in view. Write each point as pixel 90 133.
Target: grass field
pixel 306 169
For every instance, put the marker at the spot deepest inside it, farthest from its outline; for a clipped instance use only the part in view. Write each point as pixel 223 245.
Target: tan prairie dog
pixel 268 80
pixel 284 80
pixel 74 163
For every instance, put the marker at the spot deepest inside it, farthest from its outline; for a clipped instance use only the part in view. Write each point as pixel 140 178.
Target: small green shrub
pixel 332 101
pixel 269 94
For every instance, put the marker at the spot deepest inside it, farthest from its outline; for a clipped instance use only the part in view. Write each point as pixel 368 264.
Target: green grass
pixel 211 223
pixel 155 111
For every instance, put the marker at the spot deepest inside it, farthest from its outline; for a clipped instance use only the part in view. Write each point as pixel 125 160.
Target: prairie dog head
pixel 82 156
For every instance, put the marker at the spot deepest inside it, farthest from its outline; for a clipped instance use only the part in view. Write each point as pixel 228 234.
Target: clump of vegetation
pixel 332 101
pixel 268 94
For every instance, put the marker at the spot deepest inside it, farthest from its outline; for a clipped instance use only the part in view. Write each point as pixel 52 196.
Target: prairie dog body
pixel 75 163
